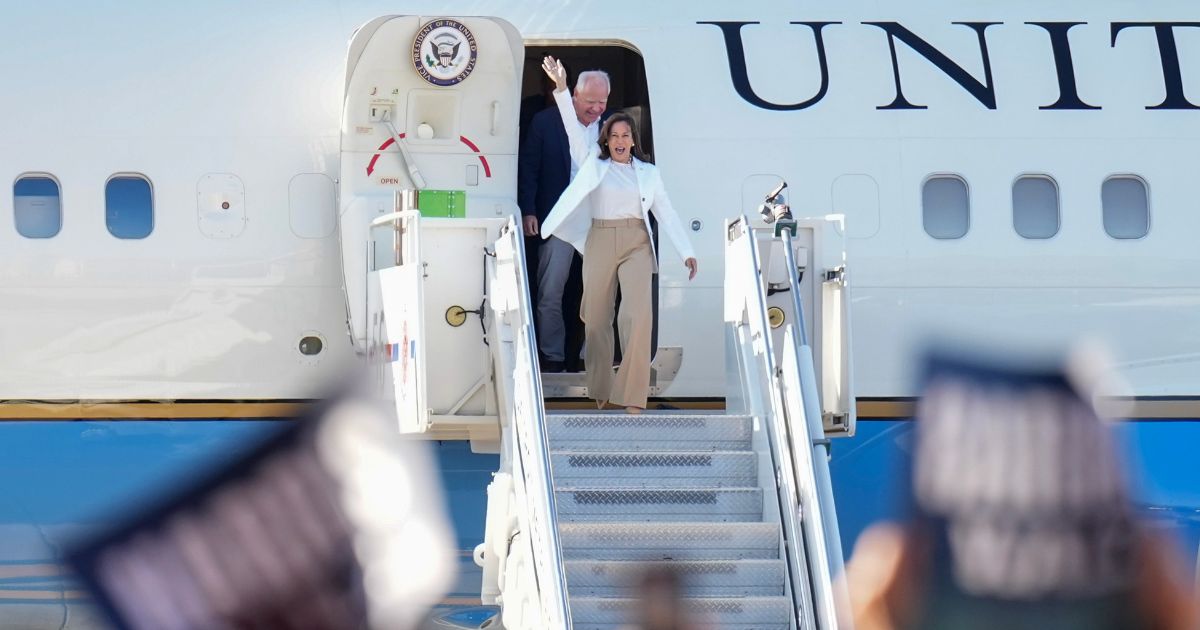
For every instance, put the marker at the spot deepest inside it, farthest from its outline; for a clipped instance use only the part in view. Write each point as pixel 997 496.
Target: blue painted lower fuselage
pixel 63 480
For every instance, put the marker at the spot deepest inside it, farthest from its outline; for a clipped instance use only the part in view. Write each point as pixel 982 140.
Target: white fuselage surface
pixel 231 111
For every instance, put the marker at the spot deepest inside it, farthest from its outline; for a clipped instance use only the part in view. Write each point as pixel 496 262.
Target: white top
pixel 617 196
pixel 591 133
pixel 571 217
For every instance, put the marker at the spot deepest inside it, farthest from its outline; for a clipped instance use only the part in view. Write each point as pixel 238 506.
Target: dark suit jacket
pixel 543 164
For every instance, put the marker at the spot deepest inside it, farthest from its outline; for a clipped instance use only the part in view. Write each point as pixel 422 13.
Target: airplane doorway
pixel 629 93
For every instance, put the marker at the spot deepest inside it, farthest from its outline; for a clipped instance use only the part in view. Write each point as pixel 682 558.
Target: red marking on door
pixel 487 170
pixel 375 158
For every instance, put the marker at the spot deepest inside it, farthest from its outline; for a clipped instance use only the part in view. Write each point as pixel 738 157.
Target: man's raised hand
pixel 557 73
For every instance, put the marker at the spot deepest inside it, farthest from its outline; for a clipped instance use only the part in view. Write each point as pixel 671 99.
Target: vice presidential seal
pixel 444 52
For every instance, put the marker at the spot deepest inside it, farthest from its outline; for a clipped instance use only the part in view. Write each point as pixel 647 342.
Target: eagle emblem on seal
pixel 444 52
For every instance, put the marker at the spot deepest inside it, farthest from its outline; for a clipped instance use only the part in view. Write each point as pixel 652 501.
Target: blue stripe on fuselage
pixel 59 480
pixel 868 472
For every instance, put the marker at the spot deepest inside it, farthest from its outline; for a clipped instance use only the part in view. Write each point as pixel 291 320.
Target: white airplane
pixel 1019 173
pixel 192 183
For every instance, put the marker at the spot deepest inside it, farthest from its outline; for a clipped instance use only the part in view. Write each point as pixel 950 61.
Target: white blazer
pixel 571 217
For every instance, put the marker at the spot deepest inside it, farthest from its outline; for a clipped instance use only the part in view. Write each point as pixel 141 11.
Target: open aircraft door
pixel 428 181
pixel 430 104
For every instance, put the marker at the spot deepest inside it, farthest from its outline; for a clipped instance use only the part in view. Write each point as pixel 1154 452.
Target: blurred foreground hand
pixel 1020 516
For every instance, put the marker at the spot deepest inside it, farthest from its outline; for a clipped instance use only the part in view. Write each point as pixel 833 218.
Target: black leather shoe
pixel 549 366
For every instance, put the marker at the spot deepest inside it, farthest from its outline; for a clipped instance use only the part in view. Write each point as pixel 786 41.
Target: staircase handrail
pixel 526 425
pixel 763 399
pixel 798 354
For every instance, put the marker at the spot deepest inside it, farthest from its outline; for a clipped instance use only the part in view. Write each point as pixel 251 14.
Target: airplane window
pixel 945 207
pixel 1035 206
pixel 1126 207
pixel 129 206
pixel 312 205
pixel 37 206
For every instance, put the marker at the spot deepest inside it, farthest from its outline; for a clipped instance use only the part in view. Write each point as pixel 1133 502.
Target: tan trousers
pixel 618 251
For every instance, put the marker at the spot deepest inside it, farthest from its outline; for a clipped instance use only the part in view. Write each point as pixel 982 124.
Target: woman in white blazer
pixel 605 214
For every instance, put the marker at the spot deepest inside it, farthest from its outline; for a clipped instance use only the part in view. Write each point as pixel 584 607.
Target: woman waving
pixel 605 214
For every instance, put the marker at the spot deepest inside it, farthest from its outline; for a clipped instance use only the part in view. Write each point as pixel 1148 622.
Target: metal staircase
pixel 673 490
pixel 738 504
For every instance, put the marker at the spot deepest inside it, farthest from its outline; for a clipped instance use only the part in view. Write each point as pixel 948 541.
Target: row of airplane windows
pixel 128 206
pixel 946 212
pixel 946 207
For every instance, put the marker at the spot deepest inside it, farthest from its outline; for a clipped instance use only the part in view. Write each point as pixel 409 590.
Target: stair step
pixel 700 578
pixel 660 469
pixel 669 541
pixel 655 504
pixel 761 613
pixel 649 432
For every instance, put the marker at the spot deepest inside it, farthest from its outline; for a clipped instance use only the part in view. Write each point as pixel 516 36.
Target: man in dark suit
pixel 544 169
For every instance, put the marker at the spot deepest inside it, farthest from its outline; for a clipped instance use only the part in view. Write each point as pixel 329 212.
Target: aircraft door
pixel 430 104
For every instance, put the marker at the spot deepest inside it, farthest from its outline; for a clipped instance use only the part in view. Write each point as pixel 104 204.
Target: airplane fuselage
pixel 232 114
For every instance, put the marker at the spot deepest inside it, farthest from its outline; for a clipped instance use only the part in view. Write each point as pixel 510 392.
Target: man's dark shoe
pixel 549 366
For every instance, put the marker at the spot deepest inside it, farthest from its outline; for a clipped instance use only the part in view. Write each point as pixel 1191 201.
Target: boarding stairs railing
pixel 803 404
pixel 452 376
pixel 521 554
pixel 783 394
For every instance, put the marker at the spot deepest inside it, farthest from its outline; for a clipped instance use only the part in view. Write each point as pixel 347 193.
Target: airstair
pixel 696 493
pixel 737 503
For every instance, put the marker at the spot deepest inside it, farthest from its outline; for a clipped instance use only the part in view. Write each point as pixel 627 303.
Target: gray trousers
pixel 554 266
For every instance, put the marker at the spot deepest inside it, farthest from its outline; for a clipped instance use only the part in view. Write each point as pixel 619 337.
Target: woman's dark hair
pixel 633 131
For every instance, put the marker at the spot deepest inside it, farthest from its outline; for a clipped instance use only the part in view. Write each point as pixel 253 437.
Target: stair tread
pixel 659 504
pixel 682 567
pixel 669 541
pixel 650 432
pixel 699 578
pixel 688 529
pixel 671 453
pixel 642 489
pixel 654 468
pixel 666 413
pixel 723 611
pixel 642 455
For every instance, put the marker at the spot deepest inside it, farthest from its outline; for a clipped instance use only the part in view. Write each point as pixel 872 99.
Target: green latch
pixel 788 224
pixel 450 204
